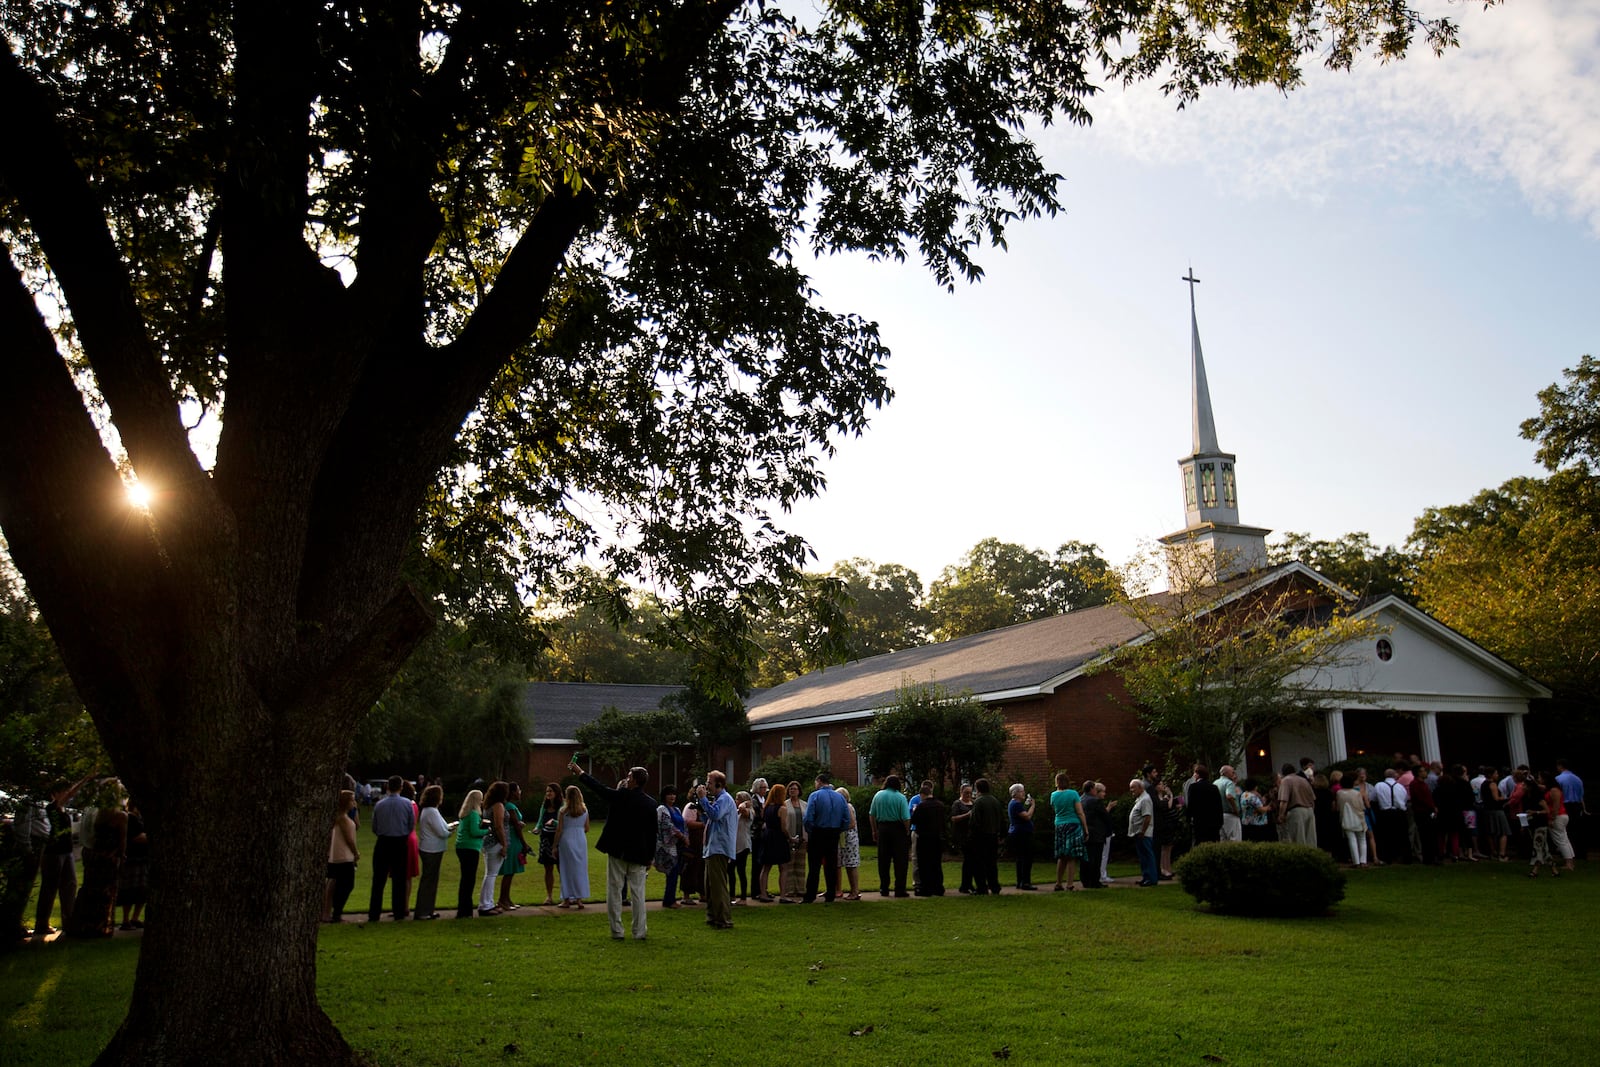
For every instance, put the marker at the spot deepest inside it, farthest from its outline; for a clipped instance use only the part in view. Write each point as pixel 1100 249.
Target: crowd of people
pixel 779 844
pixel 113 847
pixel 1420 811
pixel 776 843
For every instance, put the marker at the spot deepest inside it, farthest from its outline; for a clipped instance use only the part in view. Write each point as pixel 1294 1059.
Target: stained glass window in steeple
pixel 1208 485
pixel 1230 496
pixel 1188 487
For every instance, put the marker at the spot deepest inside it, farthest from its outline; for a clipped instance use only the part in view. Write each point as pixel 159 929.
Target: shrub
pixel 799 767
pixel 1246 878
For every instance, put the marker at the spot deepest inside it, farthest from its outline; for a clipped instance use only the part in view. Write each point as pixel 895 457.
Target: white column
pixel 1428 734
pixel 1336 746
pixel 1516 740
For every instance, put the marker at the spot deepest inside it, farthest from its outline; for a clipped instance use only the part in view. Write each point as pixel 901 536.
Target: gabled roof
pixel 1024 660
pixel 553 711
pixel 1463 644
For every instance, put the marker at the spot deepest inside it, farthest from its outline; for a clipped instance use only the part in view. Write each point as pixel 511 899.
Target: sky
pixel 1393 262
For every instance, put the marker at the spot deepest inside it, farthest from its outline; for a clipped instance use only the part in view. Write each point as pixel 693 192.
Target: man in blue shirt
pixel 393 819
pixel 1577 814
pixel 827 816
pixel 722 823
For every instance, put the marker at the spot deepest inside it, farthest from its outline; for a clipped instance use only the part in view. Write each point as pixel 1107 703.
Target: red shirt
pixel 1422 796
pixel 1555 802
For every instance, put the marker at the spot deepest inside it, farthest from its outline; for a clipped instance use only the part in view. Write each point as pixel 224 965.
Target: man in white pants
pixel 629 842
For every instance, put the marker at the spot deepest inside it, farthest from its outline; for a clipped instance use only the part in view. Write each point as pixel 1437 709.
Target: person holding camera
pixel 629 842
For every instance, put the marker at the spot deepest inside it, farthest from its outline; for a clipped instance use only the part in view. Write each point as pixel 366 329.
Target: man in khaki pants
pixel 722 821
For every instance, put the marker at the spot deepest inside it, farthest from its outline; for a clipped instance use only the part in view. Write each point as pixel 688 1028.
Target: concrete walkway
pixel 599 906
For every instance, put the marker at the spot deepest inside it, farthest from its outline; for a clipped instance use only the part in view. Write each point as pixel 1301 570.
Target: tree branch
pixel 399 221
pixel 265 194
pixel 407 409
pixel 70 224
pixel 401 422
pixel 67 521
pixel 361 671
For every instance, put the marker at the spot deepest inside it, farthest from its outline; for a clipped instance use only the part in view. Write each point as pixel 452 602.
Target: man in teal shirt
pixel 891 828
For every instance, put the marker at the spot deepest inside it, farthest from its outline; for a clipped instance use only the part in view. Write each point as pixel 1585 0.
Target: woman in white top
pixel 432 834
pixel 1353 821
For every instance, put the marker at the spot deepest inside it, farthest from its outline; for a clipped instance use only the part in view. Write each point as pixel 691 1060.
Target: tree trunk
pixel 228 964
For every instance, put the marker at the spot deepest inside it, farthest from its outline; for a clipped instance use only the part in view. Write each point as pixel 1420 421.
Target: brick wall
pixel 1095 733
pixel 547 763
pixel 841 756
pixel 1087 727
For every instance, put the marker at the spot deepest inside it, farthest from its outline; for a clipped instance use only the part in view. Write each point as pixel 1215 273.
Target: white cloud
pixel 1519 102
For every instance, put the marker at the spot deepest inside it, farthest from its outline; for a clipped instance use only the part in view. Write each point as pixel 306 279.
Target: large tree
pixel 998 584
pixel 858 609
pixel 1515 569
pixel 1217 664
pixel 616 741
pixel 883 605
pixel 931 733
pixel 1352 561
pixel 525 269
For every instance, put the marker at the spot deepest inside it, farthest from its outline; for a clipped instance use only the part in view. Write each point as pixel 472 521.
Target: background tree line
pixel 1514 568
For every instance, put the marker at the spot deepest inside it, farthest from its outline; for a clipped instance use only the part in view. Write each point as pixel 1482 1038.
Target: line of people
pixel 1420 812
pixel 708 847
pixel 490 836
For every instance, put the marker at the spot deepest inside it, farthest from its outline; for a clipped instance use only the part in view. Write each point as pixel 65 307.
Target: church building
pixel 1424 688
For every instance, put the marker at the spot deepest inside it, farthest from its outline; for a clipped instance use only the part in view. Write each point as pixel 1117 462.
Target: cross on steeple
pixel 1193 281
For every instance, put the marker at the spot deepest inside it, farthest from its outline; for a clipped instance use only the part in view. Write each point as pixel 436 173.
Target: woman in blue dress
pixel 572 829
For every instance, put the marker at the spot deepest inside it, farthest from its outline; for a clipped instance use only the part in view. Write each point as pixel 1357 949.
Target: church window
pixel 1208 485
pixel 1188 487
pixel 1385 649
pixel 1230 496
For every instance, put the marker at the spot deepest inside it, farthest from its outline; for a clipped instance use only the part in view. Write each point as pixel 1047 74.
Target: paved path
pixel 599 906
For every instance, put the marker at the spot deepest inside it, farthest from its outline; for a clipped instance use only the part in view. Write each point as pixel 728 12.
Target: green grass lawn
pixel 1422 965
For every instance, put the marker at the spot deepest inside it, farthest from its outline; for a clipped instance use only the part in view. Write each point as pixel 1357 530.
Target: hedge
pixel 1261 879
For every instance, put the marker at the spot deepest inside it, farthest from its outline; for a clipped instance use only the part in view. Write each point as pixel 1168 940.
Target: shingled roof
pixel 553 711
pixel 1013 662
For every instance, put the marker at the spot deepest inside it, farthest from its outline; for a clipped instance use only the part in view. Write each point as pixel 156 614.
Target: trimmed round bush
pixel 1275 879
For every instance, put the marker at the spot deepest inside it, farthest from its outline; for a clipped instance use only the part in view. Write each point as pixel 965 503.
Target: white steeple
pixel 1212 544
pixel 1205 424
